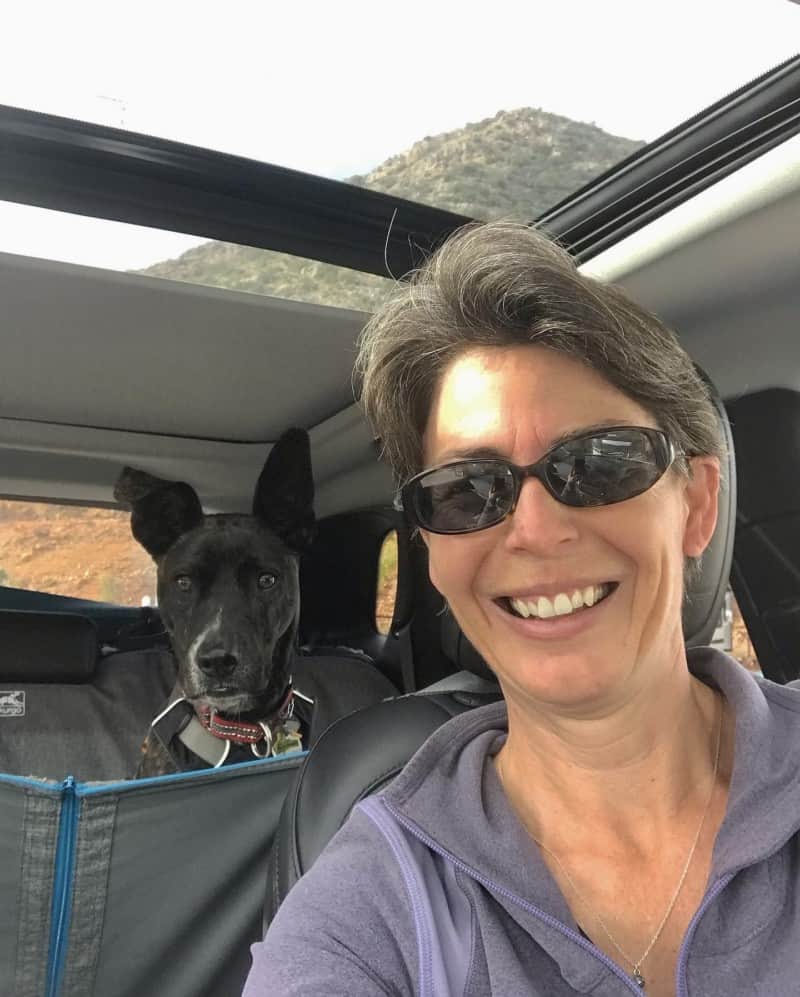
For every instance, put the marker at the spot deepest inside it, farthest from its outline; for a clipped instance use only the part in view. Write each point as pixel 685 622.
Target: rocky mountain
pixel 516 164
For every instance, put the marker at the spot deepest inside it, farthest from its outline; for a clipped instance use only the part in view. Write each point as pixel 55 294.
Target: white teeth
pixel 562 604
pixel 544 608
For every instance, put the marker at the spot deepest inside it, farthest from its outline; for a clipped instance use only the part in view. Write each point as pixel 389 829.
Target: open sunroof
pixel 230 209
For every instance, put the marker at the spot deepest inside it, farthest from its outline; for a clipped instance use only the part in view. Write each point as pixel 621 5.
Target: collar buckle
pixel 267 739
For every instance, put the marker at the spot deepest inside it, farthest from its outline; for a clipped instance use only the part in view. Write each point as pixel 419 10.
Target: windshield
pixel 485 110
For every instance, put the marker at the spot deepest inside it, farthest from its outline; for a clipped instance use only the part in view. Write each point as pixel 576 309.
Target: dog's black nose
pixel 219 663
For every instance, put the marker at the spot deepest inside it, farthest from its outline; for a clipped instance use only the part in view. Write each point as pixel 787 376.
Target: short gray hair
pixel 506 284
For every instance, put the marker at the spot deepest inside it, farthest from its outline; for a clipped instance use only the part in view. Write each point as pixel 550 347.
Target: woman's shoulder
pixel 786 696
pixel 347 919
pixel 744 688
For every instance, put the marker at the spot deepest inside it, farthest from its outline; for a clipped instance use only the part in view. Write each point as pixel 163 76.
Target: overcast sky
pixel 336 87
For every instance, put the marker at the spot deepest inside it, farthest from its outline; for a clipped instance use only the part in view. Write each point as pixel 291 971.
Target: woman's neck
pixel 625 772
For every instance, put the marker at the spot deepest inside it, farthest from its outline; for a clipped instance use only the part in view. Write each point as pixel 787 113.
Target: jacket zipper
pixel 683 954
pixel 62 886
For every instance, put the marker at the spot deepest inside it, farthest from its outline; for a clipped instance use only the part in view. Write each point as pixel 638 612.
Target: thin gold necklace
pixel 636 964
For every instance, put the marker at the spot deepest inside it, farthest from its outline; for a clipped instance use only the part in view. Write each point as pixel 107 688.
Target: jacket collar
pixel 764 798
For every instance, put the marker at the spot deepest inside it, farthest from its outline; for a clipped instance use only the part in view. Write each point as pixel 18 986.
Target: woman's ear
pixel 702 490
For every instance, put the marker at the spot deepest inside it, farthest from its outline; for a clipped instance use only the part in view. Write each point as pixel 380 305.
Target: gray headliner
pixel 102 369
pixel 722 270
pixel 155 356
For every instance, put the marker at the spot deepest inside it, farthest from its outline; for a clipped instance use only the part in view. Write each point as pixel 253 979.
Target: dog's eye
pixel 266 581
pixel 184 582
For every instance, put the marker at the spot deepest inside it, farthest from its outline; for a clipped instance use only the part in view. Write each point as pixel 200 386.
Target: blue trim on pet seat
pixel 60 910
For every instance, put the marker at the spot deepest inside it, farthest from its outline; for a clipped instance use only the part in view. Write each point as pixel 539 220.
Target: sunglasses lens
pixel 599 469
pixel 607 468
pixel 459 498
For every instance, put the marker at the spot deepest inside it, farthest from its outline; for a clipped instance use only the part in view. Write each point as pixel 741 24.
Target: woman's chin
pixel 567 660
pixel 575 681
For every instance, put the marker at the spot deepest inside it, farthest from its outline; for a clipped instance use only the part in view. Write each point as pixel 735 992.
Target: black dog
pixel 229 597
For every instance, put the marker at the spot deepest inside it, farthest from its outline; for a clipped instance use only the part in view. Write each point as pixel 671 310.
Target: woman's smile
pixel 562 601
pixel 570 612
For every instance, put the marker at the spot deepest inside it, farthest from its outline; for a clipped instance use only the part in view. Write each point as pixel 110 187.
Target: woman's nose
pixel 539 522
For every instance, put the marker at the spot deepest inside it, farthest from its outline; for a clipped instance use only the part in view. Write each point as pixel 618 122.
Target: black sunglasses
pixel 602 467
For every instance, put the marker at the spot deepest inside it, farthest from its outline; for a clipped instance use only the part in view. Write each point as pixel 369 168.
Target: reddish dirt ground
pixel 67 550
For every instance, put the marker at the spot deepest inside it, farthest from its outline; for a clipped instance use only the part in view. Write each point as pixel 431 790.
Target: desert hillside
pixel 515 164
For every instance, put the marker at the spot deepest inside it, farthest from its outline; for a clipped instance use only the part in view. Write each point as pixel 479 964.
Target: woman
pixel 590 835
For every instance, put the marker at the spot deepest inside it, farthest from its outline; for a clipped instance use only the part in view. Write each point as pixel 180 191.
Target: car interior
pixel 194 382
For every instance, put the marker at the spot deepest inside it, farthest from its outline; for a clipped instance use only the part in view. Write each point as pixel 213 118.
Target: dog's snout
pixel 218 663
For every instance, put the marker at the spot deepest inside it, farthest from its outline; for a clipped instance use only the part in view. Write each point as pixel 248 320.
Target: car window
pixel 70 550
pixel 387 583
pixel 136 249
pixel 512 140
pixel 741 646
pixel 731 634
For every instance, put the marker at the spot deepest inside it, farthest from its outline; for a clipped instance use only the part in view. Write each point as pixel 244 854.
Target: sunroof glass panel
pixel 68 238
pixel 505 113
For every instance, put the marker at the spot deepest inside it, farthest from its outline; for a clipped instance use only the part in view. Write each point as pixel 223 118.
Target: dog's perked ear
pixel 161 511
pixel 284 496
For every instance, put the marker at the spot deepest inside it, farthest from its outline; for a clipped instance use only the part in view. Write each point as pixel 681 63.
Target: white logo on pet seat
pixel 12 703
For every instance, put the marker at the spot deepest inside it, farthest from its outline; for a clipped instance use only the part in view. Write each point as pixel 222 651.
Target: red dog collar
pixel 242 732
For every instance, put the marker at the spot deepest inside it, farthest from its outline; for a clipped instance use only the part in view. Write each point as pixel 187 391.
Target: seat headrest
pixel 459 650
pixel 46 647
pixel 704 596
pixel 705 593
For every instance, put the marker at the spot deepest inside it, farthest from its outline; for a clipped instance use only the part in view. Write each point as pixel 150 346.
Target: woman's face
pixel 517 401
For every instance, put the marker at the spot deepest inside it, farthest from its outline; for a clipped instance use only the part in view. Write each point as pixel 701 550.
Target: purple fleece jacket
pixel 434 888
